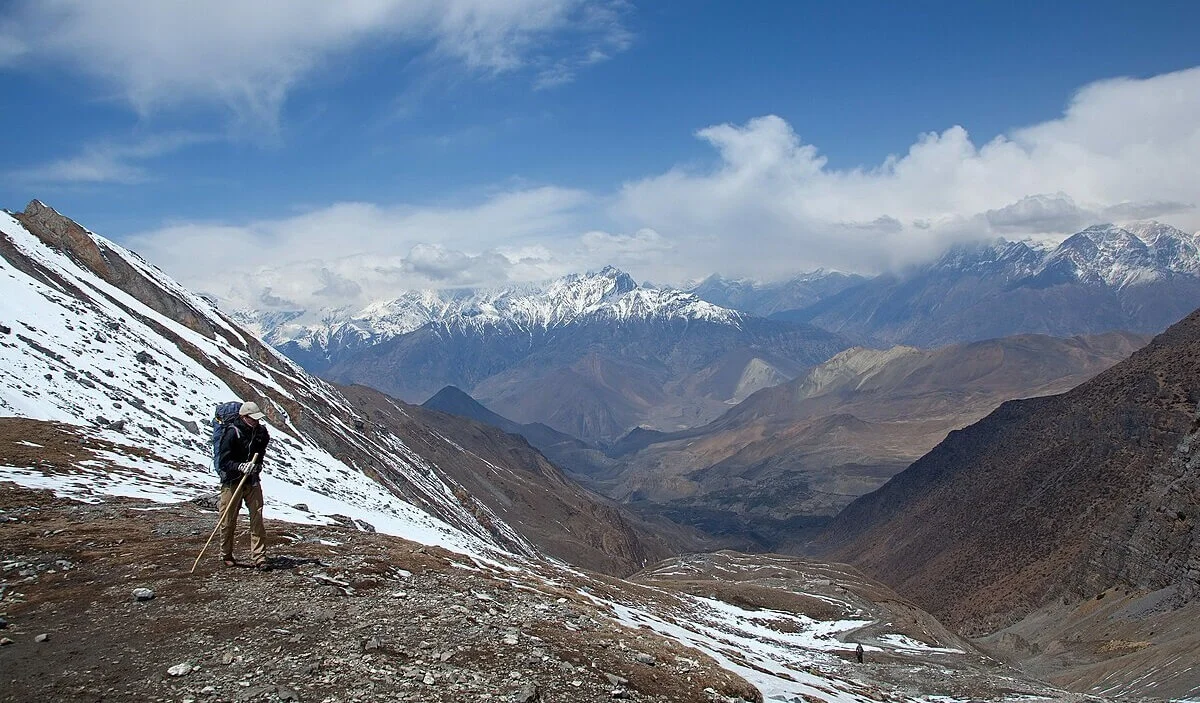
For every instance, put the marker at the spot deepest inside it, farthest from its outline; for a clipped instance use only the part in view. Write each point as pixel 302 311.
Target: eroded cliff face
pixel 1156 544
pixel 1063 528
pixel 1144 570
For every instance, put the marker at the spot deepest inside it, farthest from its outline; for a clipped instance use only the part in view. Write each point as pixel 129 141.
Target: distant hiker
pixel 858 653
pixel 240 439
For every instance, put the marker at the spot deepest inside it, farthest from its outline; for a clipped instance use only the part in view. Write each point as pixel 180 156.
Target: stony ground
pixel 348 616
pixel 344 616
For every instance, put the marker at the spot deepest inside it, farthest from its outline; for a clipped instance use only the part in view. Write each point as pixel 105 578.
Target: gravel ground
pixel 343 616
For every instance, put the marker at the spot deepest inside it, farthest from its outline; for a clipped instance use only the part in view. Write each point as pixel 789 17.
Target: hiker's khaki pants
pixel 253 497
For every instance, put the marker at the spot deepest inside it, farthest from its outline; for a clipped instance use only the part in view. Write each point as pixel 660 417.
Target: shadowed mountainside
pixel 573 455
pixel 1049 499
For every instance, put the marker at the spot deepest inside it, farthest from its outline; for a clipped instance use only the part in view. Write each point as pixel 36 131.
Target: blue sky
pixel 467 144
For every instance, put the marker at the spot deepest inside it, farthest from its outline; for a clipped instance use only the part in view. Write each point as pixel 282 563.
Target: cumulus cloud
pixel 768 206
pixel 1038 213
pixel 1122 146
pixel 336 286
pixel 358 252
pixel 249 55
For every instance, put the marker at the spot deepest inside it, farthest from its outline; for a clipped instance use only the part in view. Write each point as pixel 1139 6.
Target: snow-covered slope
pixel 79 349
pixel 607 295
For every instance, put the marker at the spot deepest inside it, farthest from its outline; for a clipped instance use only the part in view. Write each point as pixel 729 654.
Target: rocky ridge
pixel 608 295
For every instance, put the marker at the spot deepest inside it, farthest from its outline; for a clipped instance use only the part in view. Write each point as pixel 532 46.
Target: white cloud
pixel 1039 213
pixel 308 259
pixel 108 162
pixel 249 55
pixel 605 36
pixel 770 206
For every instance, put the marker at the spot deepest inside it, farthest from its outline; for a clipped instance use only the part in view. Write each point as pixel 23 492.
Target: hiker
pixel 858 653
pixel 245 437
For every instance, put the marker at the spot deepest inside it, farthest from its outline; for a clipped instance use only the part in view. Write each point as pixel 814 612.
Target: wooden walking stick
pixel 233 500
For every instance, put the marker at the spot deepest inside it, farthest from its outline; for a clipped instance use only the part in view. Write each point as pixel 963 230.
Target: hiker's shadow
pixel 284 562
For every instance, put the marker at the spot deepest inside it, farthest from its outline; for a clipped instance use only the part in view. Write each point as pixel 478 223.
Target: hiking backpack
pixel 222 421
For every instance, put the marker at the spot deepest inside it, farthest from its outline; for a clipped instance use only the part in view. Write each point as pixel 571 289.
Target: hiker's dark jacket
pixel 238 444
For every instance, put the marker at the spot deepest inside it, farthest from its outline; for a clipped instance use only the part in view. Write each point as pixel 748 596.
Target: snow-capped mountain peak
pixel 1152 232
pixel 1103 254
pixel 607 295
pixel 1122 256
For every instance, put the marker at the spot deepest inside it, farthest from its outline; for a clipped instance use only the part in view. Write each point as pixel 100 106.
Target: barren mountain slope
pixel 802 450
pixel 1054 499
pixel 524 489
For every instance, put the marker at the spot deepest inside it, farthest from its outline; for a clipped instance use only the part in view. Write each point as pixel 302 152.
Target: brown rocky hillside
pixel 1054 498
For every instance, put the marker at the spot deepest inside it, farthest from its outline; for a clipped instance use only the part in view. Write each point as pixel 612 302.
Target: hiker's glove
pixel 248 468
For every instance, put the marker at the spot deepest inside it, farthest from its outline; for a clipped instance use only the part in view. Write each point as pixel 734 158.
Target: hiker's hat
pixel 252 410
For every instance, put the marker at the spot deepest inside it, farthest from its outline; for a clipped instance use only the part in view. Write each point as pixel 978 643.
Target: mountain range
pixel 1061 528
pixel 592 356
pixel 109 373
pixel 1137 278
pixel 789 457
pixel 321 337
pixel 597 355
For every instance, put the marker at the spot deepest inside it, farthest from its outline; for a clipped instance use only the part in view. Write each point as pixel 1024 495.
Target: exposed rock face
pixel 67 236
pixel 1145 614
pixel 1157 545
pixel 1045 499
